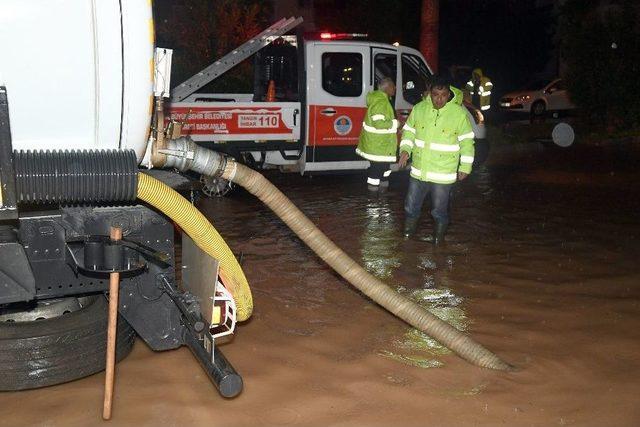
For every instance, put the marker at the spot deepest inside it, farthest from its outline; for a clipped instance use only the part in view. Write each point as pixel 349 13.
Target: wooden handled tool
pixel 114 286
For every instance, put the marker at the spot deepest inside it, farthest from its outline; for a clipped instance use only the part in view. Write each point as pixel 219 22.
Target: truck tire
pixel 38 353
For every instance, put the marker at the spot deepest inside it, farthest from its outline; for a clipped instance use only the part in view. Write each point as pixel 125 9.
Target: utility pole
pixel 429 22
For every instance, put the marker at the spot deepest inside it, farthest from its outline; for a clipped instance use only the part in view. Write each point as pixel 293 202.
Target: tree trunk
pixel 429 32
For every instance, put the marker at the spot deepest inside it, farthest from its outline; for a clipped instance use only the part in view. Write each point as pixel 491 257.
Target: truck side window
pixel 385 65
pixel 342 73
pixel 415 78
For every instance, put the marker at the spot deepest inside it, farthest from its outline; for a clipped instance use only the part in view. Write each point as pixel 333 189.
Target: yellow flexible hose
pixel 176 207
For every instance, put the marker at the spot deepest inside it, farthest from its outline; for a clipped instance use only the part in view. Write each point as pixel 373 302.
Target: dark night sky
pixel 511 40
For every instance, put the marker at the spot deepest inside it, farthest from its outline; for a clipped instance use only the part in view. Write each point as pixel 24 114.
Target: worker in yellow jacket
pixel 479 87
pixel 439 140
pixel 378 141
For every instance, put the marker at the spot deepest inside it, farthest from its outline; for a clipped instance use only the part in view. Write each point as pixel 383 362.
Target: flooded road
pixel 541 266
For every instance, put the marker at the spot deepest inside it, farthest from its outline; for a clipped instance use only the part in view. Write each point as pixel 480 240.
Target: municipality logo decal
pixel 342 125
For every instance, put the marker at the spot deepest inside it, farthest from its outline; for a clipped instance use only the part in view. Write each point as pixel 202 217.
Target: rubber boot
pixel 410 225
pixel 437 238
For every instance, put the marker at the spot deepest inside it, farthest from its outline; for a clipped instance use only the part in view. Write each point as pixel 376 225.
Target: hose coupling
pixel 184 154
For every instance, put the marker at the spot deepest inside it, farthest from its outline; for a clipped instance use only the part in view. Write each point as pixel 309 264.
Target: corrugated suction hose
pixel 75 176
pixel 203 234
pixel 382 294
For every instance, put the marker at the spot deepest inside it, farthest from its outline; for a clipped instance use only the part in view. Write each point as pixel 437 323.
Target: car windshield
pixel 536 85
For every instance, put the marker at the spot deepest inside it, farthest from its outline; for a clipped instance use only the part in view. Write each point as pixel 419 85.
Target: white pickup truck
pixel 313 120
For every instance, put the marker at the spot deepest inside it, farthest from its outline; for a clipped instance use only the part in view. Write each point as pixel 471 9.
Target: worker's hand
pixel 462 175
pixel 404 156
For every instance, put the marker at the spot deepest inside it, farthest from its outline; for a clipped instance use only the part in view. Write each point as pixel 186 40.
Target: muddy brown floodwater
pixel 541 267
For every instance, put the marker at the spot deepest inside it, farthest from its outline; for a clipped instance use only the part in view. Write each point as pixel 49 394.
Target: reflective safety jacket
pixel 378 140
pixel 440 142
pixel 484 89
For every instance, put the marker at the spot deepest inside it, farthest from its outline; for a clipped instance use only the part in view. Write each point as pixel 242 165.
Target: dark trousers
pixel 378 172
pixel 418 190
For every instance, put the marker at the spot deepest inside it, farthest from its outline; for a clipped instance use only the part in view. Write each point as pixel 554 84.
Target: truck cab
pixel 340 74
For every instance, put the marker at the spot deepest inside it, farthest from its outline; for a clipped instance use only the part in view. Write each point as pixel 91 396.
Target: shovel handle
pixel 114 282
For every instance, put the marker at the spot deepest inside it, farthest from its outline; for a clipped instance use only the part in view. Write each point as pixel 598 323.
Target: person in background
pixel 479 87
pixel 378 141
pixel 439 140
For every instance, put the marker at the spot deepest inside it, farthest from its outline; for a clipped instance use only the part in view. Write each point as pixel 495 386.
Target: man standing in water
pixel 439 139
pixel 378 141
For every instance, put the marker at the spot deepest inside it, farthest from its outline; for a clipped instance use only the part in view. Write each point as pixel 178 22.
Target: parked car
pixel 539 97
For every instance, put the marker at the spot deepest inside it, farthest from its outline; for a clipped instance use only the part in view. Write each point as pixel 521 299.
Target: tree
pixel 601 55
pixel 201 31
pixel 429 27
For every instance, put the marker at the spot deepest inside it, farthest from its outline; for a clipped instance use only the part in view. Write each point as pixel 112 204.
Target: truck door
pixel 338 82
pixel 385 64
pixel 413 80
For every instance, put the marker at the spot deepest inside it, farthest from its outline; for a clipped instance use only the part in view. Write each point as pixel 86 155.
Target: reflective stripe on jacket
pixel 378 140
pixel 440 142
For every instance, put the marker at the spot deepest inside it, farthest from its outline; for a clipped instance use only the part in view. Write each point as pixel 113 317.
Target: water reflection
pixel 380 239
pixel 415 348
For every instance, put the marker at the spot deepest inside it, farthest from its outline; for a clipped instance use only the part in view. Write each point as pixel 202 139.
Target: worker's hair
pixel 439 82
pixel 384 82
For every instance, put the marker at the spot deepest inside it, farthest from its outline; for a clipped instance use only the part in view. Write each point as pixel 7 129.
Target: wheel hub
pixel 45 309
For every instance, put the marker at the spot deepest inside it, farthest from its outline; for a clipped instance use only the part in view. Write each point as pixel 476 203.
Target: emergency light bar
pixel 335 36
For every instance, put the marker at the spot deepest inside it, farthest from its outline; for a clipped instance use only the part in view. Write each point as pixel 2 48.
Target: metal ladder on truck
pixel 233 58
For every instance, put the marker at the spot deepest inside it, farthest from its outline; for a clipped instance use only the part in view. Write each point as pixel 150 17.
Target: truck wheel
pixel 55 341
pixel 216 187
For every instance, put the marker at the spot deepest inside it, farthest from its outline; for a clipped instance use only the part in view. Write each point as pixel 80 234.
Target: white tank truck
pixel 81 122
